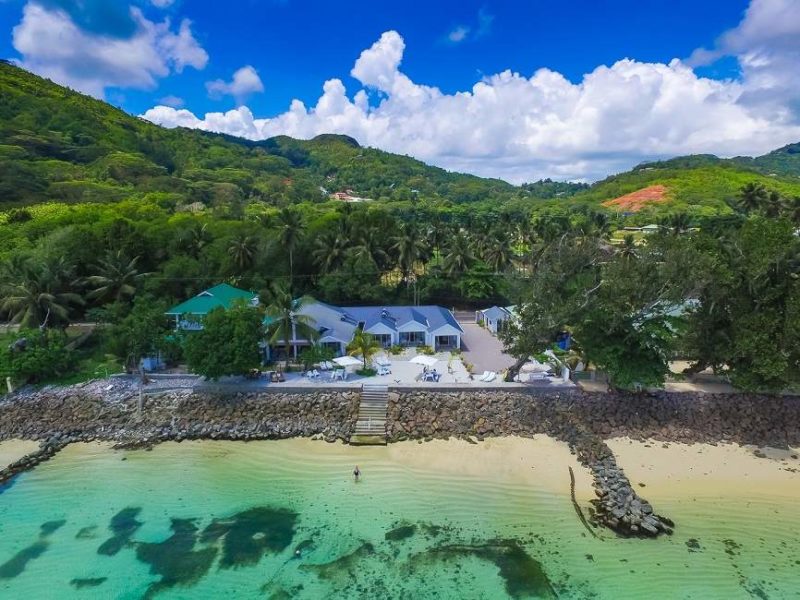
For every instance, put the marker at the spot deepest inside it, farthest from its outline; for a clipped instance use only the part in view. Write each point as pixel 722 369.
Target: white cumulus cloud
pixel 767 46
pixel 245 82
pixel 53 46
pixel 522 127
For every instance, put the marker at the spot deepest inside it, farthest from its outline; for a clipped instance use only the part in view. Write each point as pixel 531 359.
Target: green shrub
pixel 43 357
pixel 368 372
pixel 396 349
pixel 427 350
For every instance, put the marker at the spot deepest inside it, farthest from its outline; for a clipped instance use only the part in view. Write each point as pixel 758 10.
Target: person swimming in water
pixel 357 473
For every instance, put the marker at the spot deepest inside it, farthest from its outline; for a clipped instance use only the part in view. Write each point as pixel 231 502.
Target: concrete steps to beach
pixel 372 413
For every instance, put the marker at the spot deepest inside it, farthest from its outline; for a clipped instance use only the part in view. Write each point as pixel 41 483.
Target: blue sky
pixel 144 54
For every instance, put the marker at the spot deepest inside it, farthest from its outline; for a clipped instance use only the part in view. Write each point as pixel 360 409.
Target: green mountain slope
pixel 701 184
pixel 59 145
pixel 783 161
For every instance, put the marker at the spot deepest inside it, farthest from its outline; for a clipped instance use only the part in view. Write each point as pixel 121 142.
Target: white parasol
pixel 427 361
pixel 347 361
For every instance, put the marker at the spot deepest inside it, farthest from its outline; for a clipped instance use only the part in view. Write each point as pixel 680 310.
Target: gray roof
pixel 430 317
pixel 496 313
pixel 341 322
pixel 330 320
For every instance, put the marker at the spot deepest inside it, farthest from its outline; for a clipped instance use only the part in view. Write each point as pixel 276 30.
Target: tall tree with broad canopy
pixel 747 324
pixel 227 344
pixel 623 310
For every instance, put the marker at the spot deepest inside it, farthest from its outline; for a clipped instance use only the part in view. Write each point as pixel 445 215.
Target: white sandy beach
pixel 705 470
pixel 540 461
pixel 12 450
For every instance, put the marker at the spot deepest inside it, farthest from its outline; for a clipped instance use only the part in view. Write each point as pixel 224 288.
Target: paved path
pixel 483 350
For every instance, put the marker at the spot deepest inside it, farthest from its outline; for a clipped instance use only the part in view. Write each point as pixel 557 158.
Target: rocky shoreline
pixel 60 416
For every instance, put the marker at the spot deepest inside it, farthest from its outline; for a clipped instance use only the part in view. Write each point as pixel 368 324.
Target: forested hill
pixel 697 185
pixel 59 145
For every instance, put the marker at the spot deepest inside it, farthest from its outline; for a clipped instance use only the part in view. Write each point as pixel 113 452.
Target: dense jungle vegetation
pixel 108 218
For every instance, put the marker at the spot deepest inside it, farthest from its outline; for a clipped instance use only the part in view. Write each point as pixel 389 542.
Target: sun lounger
pixel 384 370
pixel 490 377
pixel 484 376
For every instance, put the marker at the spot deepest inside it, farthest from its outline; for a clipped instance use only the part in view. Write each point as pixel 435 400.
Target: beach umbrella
pixel 347 361
pixel 534 367
pixel 427 361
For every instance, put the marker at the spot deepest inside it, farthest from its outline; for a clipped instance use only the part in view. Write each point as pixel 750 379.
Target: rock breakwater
pixel 585 420
pixel 68 415
pixel 58 416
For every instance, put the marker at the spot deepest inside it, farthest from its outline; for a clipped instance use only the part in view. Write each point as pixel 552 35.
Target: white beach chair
pixel 384 370
pixel 490 377
pixel 484 376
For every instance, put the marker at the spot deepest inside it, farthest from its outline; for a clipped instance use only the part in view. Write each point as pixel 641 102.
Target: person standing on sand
pixel 356 473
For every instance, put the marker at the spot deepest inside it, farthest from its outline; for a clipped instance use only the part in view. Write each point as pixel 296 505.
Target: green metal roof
pixel 222 295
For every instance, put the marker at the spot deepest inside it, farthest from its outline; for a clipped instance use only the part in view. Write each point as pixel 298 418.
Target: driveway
pixel 483 350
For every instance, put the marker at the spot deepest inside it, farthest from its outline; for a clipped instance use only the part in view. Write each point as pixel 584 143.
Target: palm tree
pixel 628 248
pixel 678 223
pixel 772 205
pixel 116 279
pixel 284 319
pixel 370 245
pixel 290 234
pixel 481 240
pixel 498 253
pixel 458 258
pixel 752 196
pixel 14 267
pixel 791 208
pixel 329 250
pixel 436 231
pixel 602 223
pixel 38 298
pixel 243 250
pixel 195 239
pixel 410 248
pixel 364 345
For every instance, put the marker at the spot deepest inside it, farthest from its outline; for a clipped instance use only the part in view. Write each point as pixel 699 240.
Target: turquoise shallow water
pixel 224 519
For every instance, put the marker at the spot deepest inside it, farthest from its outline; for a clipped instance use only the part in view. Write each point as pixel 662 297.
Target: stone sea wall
pixel 65 416
pixel 60 416
pixel 704 418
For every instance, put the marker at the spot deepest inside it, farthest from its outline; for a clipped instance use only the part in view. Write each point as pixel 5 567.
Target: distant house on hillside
pixel 432 326
pixel 189 315
pixel 494 318
pixel 348 196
